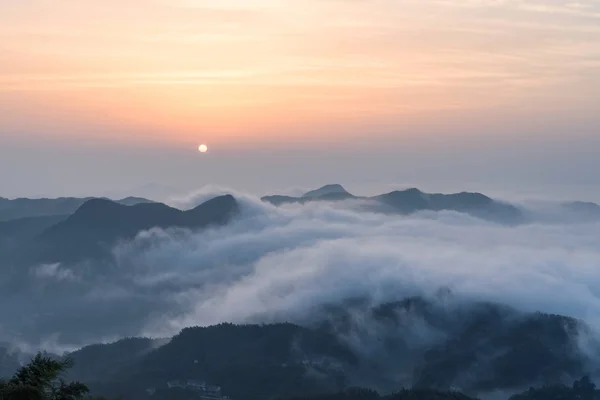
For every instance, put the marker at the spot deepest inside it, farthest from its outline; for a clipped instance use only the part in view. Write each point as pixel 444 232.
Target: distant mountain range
pixel 422 342
pixel 583 207
pixel 334 192
pixel 19 230
pixel 412 200
pixel 73 229
pixel 96 226
pixel 25 208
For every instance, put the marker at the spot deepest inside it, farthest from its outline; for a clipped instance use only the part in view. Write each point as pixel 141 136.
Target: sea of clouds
pixel 282 263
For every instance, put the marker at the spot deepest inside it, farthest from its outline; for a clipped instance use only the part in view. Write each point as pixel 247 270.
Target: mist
pixel 283 263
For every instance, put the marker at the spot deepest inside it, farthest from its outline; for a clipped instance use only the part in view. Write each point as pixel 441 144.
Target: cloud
pixel 284 263
pixel 190 200
pixel 54 271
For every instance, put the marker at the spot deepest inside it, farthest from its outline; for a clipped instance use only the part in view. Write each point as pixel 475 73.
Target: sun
pixel 203 148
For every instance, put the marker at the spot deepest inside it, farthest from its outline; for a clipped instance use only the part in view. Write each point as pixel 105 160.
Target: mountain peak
pixel 132 201
pixel 411 191
pixel 98 224
pixel 224 202
pixel 582 206
pixel 96 205
pixel 326 190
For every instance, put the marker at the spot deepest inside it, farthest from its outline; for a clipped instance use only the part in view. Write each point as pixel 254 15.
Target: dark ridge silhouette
pixel 413 200
pixel 335 196
pixel 478 348
pixel 215 211
pixel 335 190
pixel 248 361
pixel 131 201
pixel 99 224
pixel 272 344
pixel 585 209
pixel 15 231
pixel 102 360
pixel 25 207
pixel 476 204
pixel 406 201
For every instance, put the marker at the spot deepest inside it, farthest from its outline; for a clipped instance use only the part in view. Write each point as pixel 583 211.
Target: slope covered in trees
pixel 44 379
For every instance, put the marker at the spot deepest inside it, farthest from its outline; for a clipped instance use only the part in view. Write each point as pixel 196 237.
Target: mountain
pixel 246 361
pixel 413 200
pixel 16 231
pixel 406 201
pixel 92 231
pixel 131 201
pixel 492 351
pixel 24 208
pixel 583 209
pixel 334 190
pixel 439 344
pixel 102 360
pixel 31 376
pixel 428 344
pixel 476 204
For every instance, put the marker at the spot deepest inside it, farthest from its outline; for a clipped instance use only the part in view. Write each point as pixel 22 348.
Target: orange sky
pixel 277 70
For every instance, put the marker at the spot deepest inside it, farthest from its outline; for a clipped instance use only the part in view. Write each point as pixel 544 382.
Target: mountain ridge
pixel 24 207
pixel 482 346
pixel 412 200
pixel 330 189
pixel 98 224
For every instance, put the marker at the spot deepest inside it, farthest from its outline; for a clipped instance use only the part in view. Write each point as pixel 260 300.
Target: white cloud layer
pixel 284 261
pixel 280 263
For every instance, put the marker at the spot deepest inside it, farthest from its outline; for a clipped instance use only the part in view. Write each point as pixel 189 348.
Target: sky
pixel 114 97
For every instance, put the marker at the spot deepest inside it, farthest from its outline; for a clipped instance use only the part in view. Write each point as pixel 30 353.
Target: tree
pixel 584 388
pixel 41 380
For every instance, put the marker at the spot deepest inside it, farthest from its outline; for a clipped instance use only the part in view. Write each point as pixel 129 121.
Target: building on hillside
pixel 176 384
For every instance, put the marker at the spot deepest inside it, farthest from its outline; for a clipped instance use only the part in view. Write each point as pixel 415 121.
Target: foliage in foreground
pixel 41 380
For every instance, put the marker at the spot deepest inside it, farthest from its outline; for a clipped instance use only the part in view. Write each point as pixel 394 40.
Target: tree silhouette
pixel 41 380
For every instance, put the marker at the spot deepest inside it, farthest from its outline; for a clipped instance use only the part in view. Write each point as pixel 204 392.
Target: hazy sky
pixel 102 97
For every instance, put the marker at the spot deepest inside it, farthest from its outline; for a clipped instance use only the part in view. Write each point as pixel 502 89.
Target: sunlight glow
pixel 248 71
